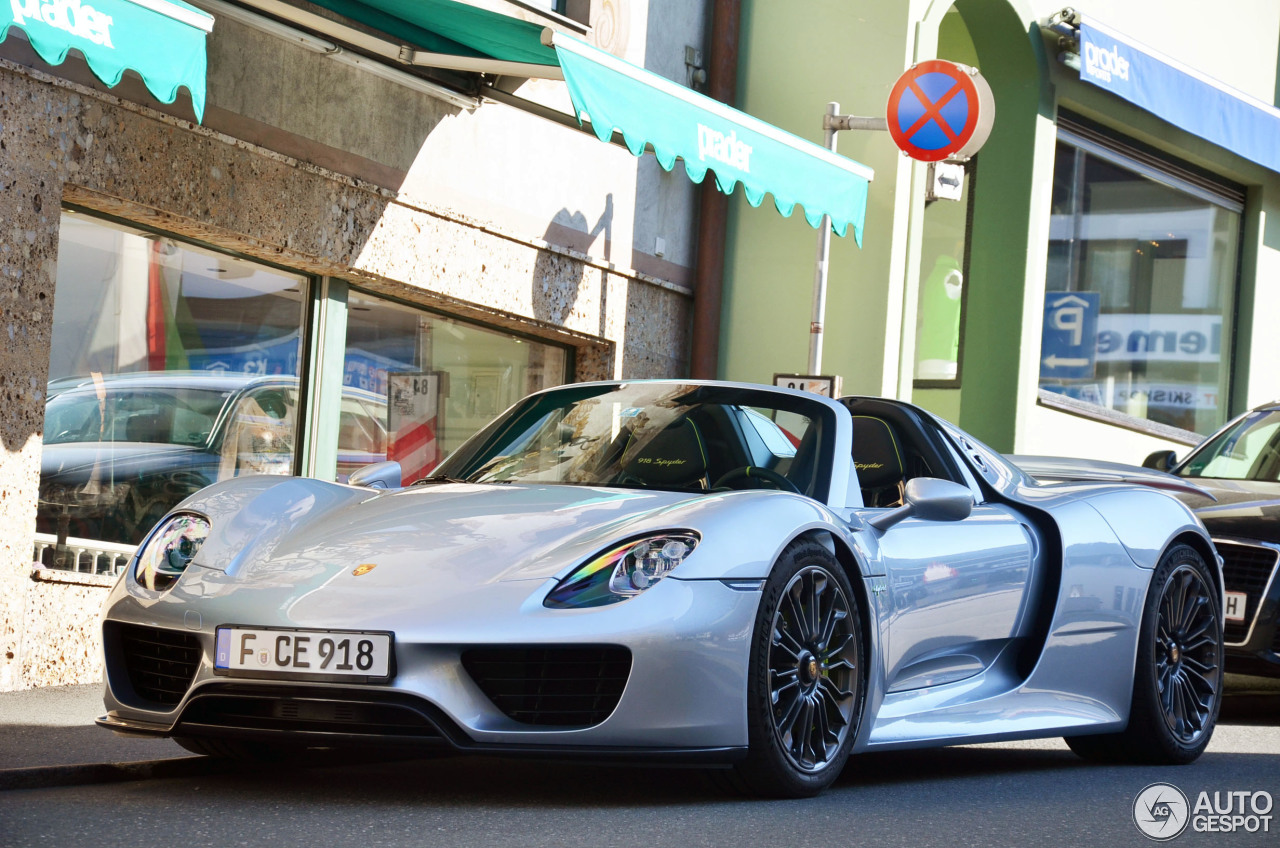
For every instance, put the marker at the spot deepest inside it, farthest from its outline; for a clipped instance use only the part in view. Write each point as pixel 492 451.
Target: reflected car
pixel 1232 481
pixel 743 577
pixel 120 452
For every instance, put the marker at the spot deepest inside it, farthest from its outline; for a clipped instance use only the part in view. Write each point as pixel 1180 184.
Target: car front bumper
pixel 684 697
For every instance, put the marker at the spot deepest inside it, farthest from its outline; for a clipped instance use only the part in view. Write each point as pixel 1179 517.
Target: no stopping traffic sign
pixel 939 110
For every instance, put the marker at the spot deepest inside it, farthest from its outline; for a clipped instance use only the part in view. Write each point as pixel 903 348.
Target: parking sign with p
pixel 1069 341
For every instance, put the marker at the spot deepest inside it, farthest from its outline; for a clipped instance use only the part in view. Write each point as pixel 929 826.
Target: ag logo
pixel 1161 812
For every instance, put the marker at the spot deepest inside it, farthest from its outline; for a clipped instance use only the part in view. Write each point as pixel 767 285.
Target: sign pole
pixel 824 253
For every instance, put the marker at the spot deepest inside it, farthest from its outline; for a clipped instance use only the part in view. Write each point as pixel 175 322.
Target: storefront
pixel 367 229
pixel 1099 288
pixel 174 366
pixel 199 287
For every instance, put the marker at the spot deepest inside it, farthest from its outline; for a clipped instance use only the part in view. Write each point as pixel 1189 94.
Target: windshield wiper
pixel 438 478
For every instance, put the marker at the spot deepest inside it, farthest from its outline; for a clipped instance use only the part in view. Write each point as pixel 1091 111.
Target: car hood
pixel 1244 508
pixel 304 532
pixel 1051 469
pixel 81 461
pixel 447 552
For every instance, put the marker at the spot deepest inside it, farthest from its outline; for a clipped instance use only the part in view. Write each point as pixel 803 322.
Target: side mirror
pixel 1161 460
pixel 930 499
pixel 379 475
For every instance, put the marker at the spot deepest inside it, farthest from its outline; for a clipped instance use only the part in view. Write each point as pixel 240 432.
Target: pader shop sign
pixel 70 16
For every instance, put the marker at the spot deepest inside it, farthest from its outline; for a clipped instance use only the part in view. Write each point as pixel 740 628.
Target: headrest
pixel 875 453
pixel 145 427
pixel 673 457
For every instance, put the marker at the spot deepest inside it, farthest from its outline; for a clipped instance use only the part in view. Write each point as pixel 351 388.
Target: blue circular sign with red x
pixel 940 109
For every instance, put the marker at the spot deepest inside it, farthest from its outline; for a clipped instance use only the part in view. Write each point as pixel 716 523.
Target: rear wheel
pixel 1177 685
pixel 805 681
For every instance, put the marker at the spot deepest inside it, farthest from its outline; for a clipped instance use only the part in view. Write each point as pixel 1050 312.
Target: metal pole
pixel 713 205
pixel 824 251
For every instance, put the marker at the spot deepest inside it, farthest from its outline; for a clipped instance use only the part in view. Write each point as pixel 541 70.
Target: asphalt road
pixel 1015 794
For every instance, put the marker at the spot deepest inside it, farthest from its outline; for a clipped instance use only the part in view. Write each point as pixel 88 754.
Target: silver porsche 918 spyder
pixel 756 579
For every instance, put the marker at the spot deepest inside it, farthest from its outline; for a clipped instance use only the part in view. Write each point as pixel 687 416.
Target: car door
pixel 956 589
pixel 956 594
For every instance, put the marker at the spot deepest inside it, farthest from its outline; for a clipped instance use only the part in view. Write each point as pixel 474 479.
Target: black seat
pixel 877 455
pixel 676 458
pixel 148 427
pixel 803 468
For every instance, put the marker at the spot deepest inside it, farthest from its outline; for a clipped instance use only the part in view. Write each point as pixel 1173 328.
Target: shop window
pixel 171 367
pixel 416 384
pixel 944 237
pixel 1142 269
pixel 941 293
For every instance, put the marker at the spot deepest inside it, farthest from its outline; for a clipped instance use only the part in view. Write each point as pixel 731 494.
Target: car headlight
pixel 622 572
pixel 170 550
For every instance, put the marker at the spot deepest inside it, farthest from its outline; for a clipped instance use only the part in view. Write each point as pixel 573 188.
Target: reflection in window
pixel 426 383
pixel 1153 258
pixel 172 367
pixel 941 289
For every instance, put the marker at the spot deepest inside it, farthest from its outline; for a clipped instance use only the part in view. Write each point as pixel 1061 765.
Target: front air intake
pixel 161 663
pixel 563 686
pixel 319 710
pixel 1247 569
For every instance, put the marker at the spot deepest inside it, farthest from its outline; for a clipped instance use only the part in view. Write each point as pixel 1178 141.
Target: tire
pixel 806 683
pixel 1177 679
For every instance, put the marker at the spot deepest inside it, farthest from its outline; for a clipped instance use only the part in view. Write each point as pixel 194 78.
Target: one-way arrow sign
pixel 1055 361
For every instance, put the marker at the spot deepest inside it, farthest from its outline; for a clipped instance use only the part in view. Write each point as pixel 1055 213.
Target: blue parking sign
pixel 1069 341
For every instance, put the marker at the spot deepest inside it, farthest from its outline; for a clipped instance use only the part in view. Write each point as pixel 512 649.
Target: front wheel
pixel 805 681
pixel 1177 686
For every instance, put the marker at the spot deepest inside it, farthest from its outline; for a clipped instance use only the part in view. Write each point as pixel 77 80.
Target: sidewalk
pixel 48 738
pixel 45 731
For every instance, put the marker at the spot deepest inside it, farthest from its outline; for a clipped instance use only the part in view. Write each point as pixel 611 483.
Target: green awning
pixel 446 30
pixel 709 136
pixel 162 40
pixel 647 109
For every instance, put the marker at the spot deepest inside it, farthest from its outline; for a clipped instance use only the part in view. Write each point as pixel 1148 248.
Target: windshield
pixel 1249 449
pixel 655 435
pixel 176 416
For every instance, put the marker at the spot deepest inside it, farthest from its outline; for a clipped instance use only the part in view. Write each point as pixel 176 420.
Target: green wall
pixel 870 319
pixel 853 51
pixel 770 260
pixel 1010 210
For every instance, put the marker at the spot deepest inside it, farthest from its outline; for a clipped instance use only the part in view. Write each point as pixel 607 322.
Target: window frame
pixel 309 295
pixel 1115 149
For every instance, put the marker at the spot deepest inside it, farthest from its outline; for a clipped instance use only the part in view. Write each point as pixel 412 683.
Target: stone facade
pixel 69 143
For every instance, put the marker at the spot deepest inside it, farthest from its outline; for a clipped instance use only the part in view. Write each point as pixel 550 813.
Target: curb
pixel 43 777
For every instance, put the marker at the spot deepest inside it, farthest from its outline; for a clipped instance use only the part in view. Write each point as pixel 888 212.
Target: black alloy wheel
pixel 806 680
pixel 1188 654
pixel 813 669
pixel 1177 686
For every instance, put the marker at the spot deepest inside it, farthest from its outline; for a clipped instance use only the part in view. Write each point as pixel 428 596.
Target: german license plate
pixel 276 652
pixel 1235 605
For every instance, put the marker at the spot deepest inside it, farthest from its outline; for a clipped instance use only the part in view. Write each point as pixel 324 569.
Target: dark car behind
pixel 1232 481
pixel 119 452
